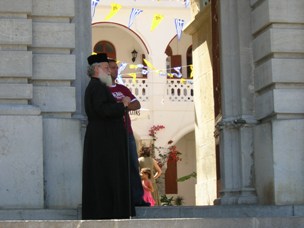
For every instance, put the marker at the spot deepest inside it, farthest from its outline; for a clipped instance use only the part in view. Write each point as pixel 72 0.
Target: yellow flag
pixel 149 64
pixel 156 20
pixel 183 81
pixel 191 68
pixel 170 75
pixel 132 66
pixel 115 8
pixel 133 75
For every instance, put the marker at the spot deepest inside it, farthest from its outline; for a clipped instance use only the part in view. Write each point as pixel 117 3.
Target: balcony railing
pixel 177 91
pixel 139 88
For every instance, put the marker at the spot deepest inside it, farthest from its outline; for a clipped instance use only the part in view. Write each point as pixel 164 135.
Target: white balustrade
pixel 177 90
pixel 139 88
pixel 180 91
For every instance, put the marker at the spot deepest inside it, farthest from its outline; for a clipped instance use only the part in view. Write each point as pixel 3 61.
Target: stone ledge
pixel 164 212
pixel 6 109
pixel 231 211
pixel 158 223
pixel 38 214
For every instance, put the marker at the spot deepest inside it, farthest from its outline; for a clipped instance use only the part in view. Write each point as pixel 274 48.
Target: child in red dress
pixel 145 174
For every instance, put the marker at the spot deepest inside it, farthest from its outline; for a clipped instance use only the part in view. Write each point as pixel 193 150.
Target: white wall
pixel 186 189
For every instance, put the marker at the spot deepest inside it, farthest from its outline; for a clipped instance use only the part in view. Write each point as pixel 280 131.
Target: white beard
pixel 106 79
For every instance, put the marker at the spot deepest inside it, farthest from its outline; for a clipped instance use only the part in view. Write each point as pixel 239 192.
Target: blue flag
pixel 94 3
pixel 179 24
pixel 133 14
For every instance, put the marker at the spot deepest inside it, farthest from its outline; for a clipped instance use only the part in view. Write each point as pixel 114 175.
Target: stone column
pixel 278 56
pixel 201 30
pixel 236 126
pixel 54 71
pixel 21 148
pixel 83 48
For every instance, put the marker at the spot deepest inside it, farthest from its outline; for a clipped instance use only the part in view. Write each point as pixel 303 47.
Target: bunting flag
pixel 133 66
pixel 187 3
pixel 122 67
pixel 191 68
pixel 149 64
pixel 119 80
pixel 150 68
pixel 179 24
pixel 156 20
pixel 133 14
pixel 161 73
pixel 177 69
pixel 94 3
pixel 133 75
pixel 115 8
pixel 170 75
pixel 144 72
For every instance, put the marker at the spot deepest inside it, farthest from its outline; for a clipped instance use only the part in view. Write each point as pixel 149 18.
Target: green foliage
pixel 179 201
pixel 171 201
pixel 165 201
pixel 184 178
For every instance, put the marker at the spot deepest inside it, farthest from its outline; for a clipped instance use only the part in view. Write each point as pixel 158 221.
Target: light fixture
pixel 134 55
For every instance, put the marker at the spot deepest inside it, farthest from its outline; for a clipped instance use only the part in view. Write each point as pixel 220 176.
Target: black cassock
pixel 105 190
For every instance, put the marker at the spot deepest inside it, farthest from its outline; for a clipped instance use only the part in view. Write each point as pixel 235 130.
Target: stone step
pixel 220 211
pixel 285 222
pixel 177 216
pixel 231 211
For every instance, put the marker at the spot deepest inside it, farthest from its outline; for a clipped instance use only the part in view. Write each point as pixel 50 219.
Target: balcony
pixel 177 91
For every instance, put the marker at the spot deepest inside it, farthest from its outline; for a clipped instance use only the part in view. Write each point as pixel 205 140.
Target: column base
pixel 245 196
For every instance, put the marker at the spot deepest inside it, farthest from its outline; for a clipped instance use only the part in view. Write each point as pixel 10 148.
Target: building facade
pixel 247 58
pixel 248 111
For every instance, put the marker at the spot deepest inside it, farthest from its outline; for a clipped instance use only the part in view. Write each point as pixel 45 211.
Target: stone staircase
pixel 255 216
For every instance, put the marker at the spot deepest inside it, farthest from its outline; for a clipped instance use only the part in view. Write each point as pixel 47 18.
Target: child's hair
pixel 146 171
pixel 145 151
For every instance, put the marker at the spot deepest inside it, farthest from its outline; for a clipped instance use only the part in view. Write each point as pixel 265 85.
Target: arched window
pixel 105 47
pixel 168 59
pixel 168 51
pixel 172 60
pixel 189 60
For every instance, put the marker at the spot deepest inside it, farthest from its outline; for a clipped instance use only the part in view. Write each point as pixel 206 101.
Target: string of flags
pixel 156 20
pixel 150 68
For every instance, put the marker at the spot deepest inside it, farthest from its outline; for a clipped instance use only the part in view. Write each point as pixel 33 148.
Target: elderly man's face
pixel 103 68
pixel 103 73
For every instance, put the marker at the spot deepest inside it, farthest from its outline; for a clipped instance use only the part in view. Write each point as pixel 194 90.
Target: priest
pixel 105 190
